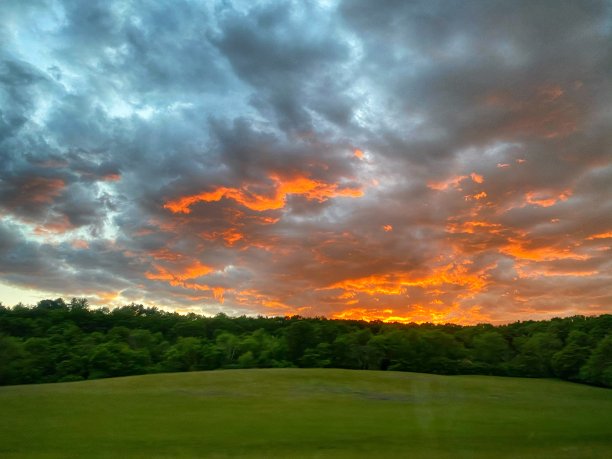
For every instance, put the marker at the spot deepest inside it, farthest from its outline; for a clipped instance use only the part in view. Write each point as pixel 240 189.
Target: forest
pixel 71 341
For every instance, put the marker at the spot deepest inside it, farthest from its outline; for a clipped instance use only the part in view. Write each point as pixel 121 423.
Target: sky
pixel 441 161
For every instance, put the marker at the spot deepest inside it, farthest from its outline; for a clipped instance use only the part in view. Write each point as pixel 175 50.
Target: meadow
pixel 306 413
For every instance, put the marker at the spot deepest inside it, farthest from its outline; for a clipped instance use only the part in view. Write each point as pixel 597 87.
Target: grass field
pixel 290 413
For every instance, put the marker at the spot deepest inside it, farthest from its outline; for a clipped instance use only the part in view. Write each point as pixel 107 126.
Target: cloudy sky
pixel 415 161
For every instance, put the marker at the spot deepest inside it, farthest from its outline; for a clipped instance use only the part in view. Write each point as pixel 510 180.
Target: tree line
pixel 58 341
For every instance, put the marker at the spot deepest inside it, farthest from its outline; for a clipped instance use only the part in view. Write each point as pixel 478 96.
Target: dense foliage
pixel 56 341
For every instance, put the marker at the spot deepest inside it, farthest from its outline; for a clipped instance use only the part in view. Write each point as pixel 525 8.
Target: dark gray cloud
pixel 289 53
pixel 408 160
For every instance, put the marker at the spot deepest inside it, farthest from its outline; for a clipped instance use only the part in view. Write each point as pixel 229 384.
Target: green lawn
pixel 291 413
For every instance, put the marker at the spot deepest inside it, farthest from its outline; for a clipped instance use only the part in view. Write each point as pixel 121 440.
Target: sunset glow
pixel 416 162
pixel 280 190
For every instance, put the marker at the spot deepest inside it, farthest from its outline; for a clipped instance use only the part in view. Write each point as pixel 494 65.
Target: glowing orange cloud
pixel 395 284
pixel 476 196
pixel 471 227
pixel 544 200
pixel 436 314
pixel 520 249
pixel 388 228
pixel 192 271
pixel 531 271
pixel 455 181
pixel 166 254
pixel 231 236
pixel 441 186
pixel 358 154
pixel 607 235
pixel 181 277
pixel 253 297
pixel 477 178
pixel 304 186
pixel 218 293
pixel 108 297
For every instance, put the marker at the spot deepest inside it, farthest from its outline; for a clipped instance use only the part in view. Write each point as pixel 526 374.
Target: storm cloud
pixel 414 161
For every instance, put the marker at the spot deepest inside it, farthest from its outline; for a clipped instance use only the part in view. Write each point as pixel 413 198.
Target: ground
pixel 295 413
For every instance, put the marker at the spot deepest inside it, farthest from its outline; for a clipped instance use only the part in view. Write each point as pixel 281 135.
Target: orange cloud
pixel 454 182
pixel 476 196
pixel 180 277
pixel 417 313
pixel 177 278
pixel 281 188
pixel 80 244
pixel 108 297
pixel 41 190
pixel 546 200
pixel 472 227
pixel 388 228
pixel 520 249
pixel 251 297
pixel 166 255
pixel 477 178
pixel 57 225
pixel 396 284
pixel 531 271
pixel 218 293
pixel 231 236
pixel 607 235
pixel 358 154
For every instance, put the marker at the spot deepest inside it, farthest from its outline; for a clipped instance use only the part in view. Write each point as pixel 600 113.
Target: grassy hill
pixel 291 413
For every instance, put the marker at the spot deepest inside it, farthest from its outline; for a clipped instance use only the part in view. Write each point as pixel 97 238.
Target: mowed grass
pixel 292 413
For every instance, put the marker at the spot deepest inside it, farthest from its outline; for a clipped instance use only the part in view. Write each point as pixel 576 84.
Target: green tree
pixel 598 368
pixel 351 350
pixel 228 344
pixel 185 355
pixel 490 347
pixel 299 336
pixel 13 362
pixel 317 357
pixel 535 357
pixel 117 359
pixel 247 360
pixel 567 362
